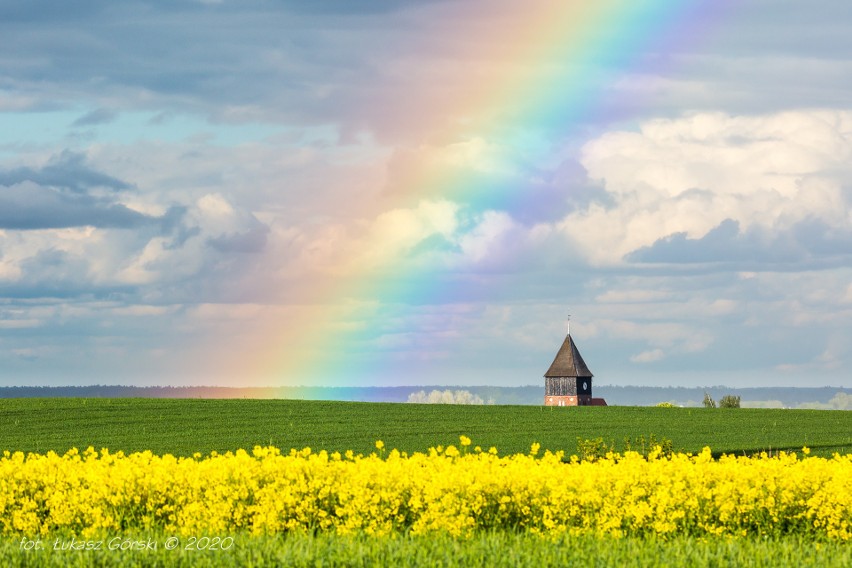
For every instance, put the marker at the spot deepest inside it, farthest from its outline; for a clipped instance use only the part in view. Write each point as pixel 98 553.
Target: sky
pixel 381 192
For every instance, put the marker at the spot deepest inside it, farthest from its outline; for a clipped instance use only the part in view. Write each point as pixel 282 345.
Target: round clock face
pixel 585 385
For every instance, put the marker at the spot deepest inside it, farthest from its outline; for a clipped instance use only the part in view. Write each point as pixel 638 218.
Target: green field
pixel 186 426
pixel 490 549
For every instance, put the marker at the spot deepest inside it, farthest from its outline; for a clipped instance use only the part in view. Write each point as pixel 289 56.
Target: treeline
pixel 499 395
pixel 820 397
pixel 446 397
pixel 789 397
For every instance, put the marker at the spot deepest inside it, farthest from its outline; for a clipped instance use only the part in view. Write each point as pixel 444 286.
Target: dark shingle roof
pixel 568 362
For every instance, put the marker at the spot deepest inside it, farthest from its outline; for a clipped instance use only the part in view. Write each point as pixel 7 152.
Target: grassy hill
pixel 183 427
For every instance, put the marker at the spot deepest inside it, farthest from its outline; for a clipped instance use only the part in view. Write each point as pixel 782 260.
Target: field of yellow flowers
pixel 458 490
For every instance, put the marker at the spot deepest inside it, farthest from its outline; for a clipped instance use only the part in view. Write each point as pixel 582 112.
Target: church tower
pixel 568 381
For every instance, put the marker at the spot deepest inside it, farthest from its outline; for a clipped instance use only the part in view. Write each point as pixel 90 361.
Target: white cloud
pixel 648 356
pixel 142 311
pixel 633 296
pixel 674 336
pixel 688 175
pixel 393 233
pixel 484 239
pixel 215 207
pixel 828 360
pixel 19 323
pixel 476 154
pixel 9 271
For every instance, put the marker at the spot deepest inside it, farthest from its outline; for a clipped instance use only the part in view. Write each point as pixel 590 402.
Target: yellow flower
pixel 443 491
pixel 464 440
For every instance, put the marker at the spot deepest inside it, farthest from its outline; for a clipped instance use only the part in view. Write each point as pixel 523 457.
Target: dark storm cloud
pixel 338 62
pixel 97 116
pixel 207 51
pixel 811 242
pixel 28 206
pixel 302 63
pixel 67 171
pixel 59 276
pixel 60 195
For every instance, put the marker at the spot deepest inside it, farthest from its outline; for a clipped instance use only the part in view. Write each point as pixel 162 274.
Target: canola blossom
pixel 454 490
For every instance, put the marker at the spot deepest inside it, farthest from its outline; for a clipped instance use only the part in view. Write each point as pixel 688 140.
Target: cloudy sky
pixel 384 192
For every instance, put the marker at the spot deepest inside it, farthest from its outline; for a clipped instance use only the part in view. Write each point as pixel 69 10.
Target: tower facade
pixel 568 381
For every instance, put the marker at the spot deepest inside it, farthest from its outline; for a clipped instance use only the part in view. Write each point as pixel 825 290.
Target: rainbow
pixel 546 78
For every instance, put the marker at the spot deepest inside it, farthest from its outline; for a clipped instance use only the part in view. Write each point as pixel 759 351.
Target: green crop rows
pixel 492 550
pixel 186 426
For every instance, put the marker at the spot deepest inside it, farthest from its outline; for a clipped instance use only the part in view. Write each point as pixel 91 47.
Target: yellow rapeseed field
pixel 457 490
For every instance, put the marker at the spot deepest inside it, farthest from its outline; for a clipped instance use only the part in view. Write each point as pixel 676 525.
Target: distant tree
pixel 665 405
pixel 708 401
pixel 840 401
pixel 446 397
pixel 729 401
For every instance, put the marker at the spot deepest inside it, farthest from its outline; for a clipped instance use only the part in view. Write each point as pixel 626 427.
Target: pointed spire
pixel 568 361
